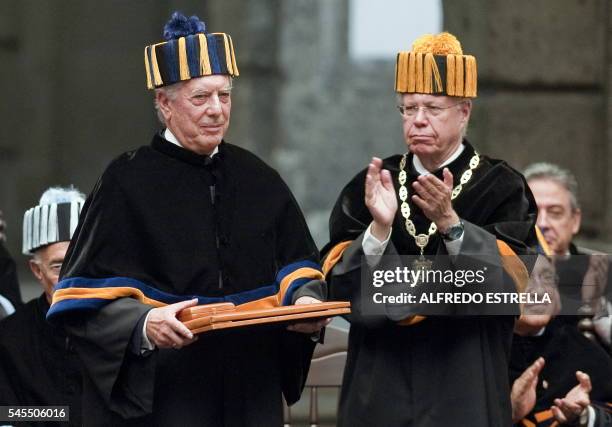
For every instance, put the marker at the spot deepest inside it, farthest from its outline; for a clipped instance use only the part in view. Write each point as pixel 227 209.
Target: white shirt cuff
pixel 454 246
pixel 372 247
pixel 591 422
pixel 145 344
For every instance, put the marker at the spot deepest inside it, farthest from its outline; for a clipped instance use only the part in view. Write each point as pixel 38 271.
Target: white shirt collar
pixel 169 136
pixel 423 171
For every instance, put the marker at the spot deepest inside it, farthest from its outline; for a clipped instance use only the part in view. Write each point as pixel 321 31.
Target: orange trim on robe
pixel 513 266
pixel 334 256
pixel 542 242
pixel 275 300
pixel 121 292
pixel 543 416
pixel 104 293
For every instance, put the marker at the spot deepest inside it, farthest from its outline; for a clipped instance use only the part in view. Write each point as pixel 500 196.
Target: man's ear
pixel 577 221
pixel 162 100
pixel 35 267
pixel 466 109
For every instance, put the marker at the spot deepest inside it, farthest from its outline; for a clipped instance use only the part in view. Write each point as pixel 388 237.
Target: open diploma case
pixel 210 317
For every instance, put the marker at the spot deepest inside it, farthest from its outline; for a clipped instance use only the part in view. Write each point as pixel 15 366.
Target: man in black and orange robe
pixel 442 370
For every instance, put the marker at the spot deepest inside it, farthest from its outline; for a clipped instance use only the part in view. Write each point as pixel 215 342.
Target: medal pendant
pixel 422 263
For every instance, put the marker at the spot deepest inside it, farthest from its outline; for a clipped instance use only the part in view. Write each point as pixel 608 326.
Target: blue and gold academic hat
pixel 436 65
pixel 188 52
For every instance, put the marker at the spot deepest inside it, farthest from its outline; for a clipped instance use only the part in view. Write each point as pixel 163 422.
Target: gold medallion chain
pixel 422 239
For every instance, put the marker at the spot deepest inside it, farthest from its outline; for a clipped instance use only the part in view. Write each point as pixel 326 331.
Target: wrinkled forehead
pixel 55 252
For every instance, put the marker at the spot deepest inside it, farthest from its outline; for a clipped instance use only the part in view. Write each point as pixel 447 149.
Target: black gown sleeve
pixel 123 380
pixel 9 283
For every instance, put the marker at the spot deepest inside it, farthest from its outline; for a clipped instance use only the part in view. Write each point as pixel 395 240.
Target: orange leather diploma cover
pixel 210 317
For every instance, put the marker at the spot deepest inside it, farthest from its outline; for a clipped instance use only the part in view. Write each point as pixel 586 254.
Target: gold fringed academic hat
pixel 188 52
pixel 436 65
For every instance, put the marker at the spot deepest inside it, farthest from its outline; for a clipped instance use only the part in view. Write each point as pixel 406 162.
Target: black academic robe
pixel 176 222
pixel 443 370
pixel 9 283
pixel 565 351
pixel 38 364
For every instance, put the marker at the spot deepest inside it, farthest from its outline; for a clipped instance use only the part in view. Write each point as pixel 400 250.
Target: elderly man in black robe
pixel 440 198
pixel 583 275
pixel 38 363
pixel 188 219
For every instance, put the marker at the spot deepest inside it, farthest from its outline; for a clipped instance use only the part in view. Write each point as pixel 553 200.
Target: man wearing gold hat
pixel 188 219
pixel 440 198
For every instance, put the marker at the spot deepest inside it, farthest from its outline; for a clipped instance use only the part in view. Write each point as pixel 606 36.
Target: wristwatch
pixel 453 232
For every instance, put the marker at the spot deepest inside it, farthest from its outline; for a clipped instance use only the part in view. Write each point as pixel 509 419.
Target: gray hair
pixel 552 172
pixel 170 92
pixel 61 195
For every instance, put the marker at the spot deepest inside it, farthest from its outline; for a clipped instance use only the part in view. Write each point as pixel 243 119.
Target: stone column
pixel 542 88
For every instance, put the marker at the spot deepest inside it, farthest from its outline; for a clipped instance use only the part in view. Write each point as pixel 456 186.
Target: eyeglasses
pixel 411 111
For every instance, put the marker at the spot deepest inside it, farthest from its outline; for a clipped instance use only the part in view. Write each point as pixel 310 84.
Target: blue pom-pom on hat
pixel 180 26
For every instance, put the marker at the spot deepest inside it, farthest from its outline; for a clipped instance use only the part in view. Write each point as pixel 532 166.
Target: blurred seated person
pixel 583 277
pixel 559 374
pixel 10 296
pixel 38 365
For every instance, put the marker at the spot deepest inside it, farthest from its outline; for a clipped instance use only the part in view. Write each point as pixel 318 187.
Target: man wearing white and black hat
pixel 38 364
pixel 188 219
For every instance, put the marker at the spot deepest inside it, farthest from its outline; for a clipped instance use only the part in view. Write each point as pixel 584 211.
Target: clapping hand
pixel 577 400
pixel 523 394
pixel 380 198
pixel 433 196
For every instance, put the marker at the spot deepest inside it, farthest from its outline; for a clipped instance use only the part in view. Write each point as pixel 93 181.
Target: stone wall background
pixel 74 96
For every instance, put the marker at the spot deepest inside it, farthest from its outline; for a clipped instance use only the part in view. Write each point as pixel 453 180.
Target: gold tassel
pixel 450 75
pixel 204 60
pixel 437 78
pixel 234 66
pixel 183 65
pixel 148 69
pixel 470 76
pixel 402 71
pixel 419 72
pixel 228 56
pixel 411 72
pixel 459 75
pixel 433 81
pixel 428 73
pixel 397 58
pixel 156 75
pixel 228 59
